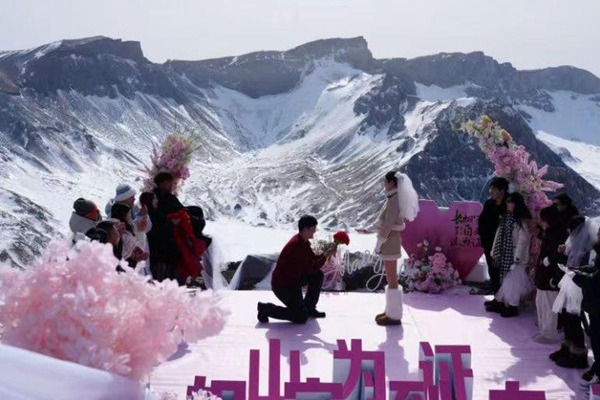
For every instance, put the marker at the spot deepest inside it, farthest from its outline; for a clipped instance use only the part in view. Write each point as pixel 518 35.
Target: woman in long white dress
pixel 402 203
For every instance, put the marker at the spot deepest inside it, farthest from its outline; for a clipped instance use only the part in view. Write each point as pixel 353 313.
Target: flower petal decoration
pixel 73 305
pixel 174 157
pixel 511 161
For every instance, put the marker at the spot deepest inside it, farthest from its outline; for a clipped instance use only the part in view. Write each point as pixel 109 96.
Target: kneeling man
pixel 297 266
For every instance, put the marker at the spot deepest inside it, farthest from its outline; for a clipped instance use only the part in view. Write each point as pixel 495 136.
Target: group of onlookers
pixel 565 275
pixel 157 231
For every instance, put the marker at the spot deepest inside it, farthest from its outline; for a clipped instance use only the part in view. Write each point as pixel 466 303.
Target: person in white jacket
pixel 85 216
pixel 511 255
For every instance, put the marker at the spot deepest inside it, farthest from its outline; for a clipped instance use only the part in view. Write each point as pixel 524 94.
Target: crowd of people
pixel 169 239
pixel 156 230
pixel 565 274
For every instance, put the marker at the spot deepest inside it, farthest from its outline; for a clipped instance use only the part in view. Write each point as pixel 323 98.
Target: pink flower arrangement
pixel 73 305
pixel 174 156
pixel 429 271
pixel 334 267
pixel 511 161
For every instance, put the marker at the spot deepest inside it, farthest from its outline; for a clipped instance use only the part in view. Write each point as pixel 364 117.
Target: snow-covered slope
pixel 575 117
pixel 320 100
pixel 582 157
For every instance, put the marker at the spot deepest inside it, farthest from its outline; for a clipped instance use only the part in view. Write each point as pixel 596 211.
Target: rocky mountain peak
pixel 452 69
pixel 354 51
pixel 272 72
pixel 564 78
pixel 94 46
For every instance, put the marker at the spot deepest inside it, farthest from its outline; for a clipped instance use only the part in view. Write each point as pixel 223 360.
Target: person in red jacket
pixel 297 266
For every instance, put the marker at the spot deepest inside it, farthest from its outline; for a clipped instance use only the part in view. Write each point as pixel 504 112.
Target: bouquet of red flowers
pixel 321 246
pixel 341 237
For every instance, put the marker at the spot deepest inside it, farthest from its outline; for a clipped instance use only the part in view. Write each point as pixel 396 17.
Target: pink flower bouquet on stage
pixel 428 271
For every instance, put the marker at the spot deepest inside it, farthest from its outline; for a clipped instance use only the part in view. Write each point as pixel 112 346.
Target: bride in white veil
pixel 402 204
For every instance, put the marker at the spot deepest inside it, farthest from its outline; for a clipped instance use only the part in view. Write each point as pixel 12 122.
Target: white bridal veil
pixel 408 198
pixel 580 242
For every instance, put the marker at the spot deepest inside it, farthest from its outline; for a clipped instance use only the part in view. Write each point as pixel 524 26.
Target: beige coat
pixel 388 226
pixel 389 218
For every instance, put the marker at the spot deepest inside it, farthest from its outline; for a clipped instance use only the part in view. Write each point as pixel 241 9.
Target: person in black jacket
pixel 564 204
pixel 553 234
pixel 487 225
pixel 567 210
pixel 109 231
pixel 588 278
pixel 164 255
pixel 180 252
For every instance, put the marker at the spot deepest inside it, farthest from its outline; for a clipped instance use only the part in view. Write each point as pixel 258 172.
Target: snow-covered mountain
pixel 309 130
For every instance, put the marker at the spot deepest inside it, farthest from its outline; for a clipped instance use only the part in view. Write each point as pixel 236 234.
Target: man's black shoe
pixel 560 353
pixel 495 307
pixel 316 314
pixel 509 312
pixel 577 361
pixel 262 315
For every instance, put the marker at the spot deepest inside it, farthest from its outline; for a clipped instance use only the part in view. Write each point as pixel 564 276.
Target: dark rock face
pixel 273 72
pixel 97 66
pixel 386 104
pixel 108 67
pixel 452 69
pixel 563 78
pixel 254 76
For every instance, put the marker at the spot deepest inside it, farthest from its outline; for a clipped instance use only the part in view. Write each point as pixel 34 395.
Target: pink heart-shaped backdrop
pixel 453 229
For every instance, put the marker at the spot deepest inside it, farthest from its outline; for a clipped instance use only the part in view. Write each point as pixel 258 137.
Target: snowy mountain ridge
pixel 309 130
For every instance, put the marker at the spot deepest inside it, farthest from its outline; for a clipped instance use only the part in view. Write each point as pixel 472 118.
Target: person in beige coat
pixel 402 203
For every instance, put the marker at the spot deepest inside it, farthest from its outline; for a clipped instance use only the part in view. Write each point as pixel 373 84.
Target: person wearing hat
pixel 125 194
pixel 85 216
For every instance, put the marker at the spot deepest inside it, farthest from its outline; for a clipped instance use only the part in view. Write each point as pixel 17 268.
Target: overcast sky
pixel 527 33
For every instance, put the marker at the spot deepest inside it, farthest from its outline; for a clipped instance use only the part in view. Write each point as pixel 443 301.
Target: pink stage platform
pixel 502 349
